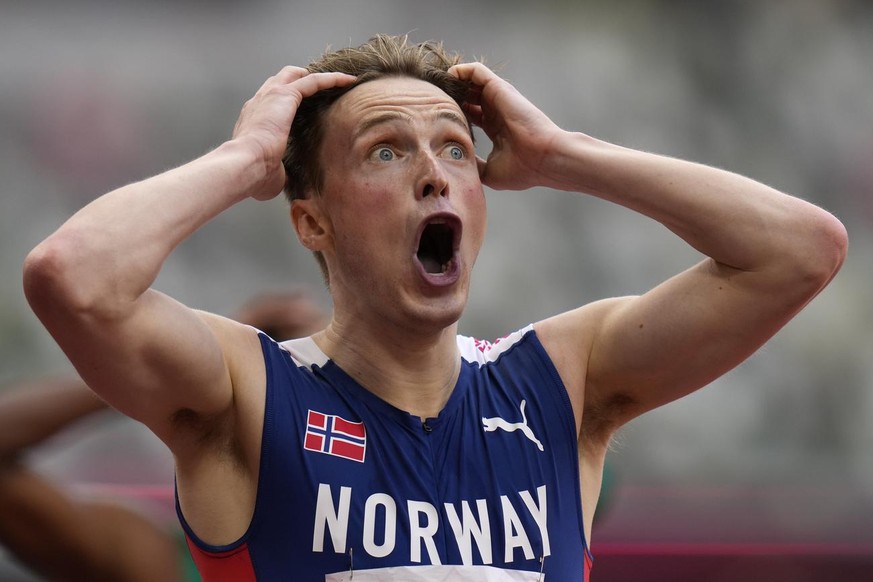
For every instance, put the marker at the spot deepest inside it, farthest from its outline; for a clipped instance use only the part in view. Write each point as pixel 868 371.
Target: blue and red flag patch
pixel 333 435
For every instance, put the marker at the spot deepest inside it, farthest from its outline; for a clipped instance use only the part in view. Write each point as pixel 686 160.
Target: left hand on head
pixel 520 133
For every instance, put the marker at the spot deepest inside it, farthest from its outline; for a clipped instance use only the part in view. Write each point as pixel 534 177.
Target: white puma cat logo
pixel 492 424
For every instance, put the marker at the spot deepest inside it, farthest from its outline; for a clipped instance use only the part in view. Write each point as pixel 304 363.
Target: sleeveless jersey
pixel 349 484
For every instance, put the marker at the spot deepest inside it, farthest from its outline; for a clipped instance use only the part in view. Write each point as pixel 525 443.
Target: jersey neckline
pixel 306 352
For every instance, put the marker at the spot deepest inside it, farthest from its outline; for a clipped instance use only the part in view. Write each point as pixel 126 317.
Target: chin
pixel 437 315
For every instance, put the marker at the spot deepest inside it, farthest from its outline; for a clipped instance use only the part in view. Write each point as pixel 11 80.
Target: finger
pixel 474 95
pixel 474 113
pixel 286 75
pixel 290 73
pixel 315 82
pixel 476 73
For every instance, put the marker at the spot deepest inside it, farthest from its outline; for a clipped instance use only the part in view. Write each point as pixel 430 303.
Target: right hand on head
pixel 265 120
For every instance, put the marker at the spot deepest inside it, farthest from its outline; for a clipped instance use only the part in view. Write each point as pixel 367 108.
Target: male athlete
pixel 386 446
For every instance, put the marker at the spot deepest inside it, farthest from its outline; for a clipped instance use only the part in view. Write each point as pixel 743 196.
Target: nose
pixel 432 177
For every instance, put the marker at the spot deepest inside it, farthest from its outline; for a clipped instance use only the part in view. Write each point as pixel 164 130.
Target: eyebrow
pixel 391 116
pixel 456 118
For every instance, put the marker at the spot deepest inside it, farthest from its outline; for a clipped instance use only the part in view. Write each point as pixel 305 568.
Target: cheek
pixel 366 227
pixel 373 194
pixel 477 217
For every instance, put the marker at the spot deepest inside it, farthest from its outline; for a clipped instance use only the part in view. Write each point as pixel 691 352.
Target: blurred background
pixel 768 470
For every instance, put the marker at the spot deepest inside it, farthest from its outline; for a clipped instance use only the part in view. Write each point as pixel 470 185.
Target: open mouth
pixel 436 247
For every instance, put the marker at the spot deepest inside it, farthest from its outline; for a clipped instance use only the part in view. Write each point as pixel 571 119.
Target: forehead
pixel 403 97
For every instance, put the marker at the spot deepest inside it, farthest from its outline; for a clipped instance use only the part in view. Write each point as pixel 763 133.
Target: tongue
pixel 431 265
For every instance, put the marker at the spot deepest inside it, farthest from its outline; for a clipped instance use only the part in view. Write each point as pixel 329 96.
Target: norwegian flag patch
pixel 334 435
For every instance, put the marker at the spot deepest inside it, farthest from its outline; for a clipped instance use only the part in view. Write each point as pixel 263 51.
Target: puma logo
pixel 492 424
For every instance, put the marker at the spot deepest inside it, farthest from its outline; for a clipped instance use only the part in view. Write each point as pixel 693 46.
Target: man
pixel 62 537
pixel 385 445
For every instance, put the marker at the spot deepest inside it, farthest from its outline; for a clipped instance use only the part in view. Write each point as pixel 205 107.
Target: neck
pixel 411 371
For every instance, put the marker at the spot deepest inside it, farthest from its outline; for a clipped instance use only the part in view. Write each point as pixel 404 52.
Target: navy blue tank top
pixel 487 490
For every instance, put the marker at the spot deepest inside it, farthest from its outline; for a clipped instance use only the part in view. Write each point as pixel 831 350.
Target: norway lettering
pixel 470 523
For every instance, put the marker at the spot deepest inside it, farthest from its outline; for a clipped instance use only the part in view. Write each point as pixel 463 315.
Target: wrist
pixel 577 162
pixel 255 175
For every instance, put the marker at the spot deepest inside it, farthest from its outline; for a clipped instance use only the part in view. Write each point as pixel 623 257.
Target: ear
pixel 310 223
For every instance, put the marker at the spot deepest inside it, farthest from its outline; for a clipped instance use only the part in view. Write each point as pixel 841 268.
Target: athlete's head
pixel 380 57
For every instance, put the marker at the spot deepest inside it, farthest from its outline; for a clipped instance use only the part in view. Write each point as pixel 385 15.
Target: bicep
pixel 678 337
pixel 157 358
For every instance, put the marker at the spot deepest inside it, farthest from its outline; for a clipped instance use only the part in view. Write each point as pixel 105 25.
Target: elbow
pixel 51 279
pixel 834 245
pixel 826 250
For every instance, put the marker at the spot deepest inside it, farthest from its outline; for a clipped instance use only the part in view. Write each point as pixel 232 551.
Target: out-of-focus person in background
pixel 387 445
pixel 64 536
pixel 50 530
pixel 283 315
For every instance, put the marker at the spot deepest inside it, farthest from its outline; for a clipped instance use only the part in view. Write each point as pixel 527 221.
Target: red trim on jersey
pixel 231 566
pixel 589 563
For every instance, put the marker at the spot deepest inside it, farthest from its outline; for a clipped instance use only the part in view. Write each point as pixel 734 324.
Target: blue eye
pixel 385 154
pixel 456 153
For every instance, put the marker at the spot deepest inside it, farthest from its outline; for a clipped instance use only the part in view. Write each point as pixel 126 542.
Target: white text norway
pixel 470 523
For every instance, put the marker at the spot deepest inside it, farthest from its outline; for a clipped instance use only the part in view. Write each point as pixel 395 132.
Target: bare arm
pixel 34 411
pixel 768 254
pixel 89 282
